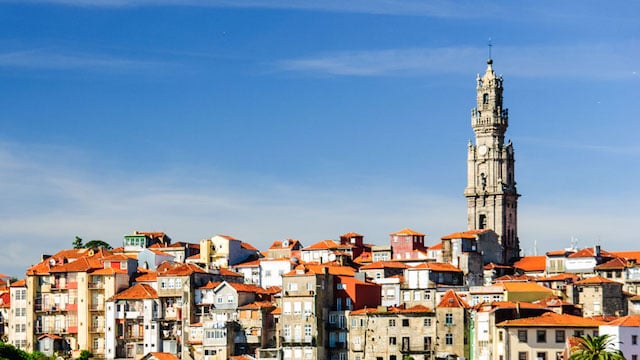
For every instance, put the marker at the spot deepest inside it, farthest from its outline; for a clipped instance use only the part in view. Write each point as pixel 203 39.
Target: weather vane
pixel 490 45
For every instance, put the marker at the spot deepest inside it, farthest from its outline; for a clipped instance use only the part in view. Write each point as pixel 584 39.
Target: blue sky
pixel 307 119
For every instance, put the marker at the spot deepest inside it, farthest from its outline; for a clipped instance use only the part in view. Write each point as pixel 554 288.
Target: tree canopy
pixel 599 347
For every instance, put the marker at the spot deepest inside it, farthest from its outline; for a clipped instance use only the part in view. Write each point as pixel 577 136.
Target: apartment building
pixel 392 333
pixel 540 337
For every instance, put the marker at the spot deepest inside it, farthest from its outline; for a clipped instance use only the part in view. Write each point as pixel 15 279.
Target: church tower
pixel 492 198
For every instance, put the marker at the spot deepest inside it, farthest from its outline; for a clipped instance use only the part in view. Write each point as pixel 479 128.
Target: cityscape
pixel 469 296
pixel 291 180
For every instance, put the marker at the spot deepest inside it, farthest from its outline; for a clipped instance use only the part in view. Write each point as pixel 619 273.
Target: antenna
pixel 489 45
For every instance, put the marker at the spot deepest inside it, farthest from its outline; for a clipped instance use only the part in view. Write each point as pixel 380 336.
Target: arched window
pixel 485 98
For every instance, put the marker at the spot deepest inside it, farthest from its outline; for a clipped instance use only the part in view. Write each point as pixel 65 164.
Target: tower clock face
pixel 482 149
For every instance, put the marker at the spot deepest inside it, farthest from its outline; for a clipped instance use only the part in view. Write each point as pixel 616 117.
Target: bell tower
pixel 492 198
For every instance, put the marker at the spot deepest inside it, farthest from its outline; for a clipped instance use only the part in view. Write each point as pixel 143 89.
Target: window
pixel 392 340
pixel 392 322
pixel 406 296
pixel 293 286
pixel 427 322
pixel 339 304
pixel 541 355
pixel 559 355
pixel 522 336
pixel 286 331
pixel 448 319
pixel 405 322
pixel 348 303
pixel 522 355
pixel 332 318
pixel 500 335
pixel 219 299
pixel 578 333
pixel 448 339
pixel 341 286
pixel 560 336
pixel 416 296
pixel 634 357
pixel 541 336
pixel 634 339
pixel 297 307
pixel 230 299
pixel 427 295
pixel 287 308
pixel 307 330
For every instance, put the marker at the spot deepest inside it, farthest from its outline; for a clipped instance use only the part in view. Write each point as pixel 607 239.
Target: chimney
pixel 596 249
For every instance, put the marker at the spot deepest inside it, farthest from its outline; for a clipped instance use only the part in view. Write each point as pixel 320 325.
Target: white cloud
pixel 591 61
pixel 46 59
pixel 435 8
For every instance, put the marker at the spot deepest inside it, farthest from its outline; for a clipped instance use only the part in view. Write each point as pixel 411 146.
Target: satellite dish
pixel 52 261
pixel 285 243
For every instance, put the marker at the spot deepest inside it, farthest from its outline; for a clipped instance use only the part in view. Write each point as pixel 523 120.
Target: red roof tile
pixel 350 235
pixel 451 299
pixel 626 321
pixel 19 283
pixel 613 264
pixel 553 319
pixel 531 263
pixel 469 234
pixel 589 252
pixel 596 280
pixel 437 266
pixel 407 231
pixel 137 291
pixel 384 264
pixel 248 246
pixel 164 356
pixel 323 245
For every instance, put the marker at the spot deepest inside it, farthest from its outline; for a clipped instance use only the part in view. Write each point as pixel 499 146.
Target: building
pixel 452 326
pixel 392 333
pixel 132 323
pixel 540 337
pixel 405 243
pixel 492 198
pixel 625 333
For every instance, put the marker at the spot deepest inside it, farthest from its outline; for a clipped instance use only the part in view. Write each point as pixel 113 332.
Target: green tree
pixel 77 243
pixel 85 355
pixel 10 352
pixel 96 244
pixel 596 348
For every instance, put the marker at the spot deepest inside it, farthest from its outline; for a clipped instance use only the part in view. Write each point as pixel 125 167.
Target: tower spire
pixel 491 188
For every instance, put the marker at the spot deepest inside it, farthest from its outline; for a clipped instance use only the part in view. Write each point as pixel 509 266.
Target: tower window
pixel 482 221
pixel 485 98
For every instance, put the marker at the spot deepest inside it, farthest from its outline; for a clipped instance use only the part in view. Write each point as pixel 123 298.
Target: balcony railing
pixel 415 349
pixel 96 285
pixel 96 307
pixel 293 340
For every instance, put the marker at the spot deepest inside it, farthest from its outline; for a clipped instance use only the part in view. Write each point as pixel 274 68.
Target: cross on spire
pixel 489 45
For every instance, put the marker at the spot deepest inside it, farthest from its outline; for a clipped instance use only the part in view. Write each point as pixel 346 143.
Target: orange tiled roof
pixel 627 321
pixel 350 235
pixel 553 319
pixel 178 269
pixel 247 246
pixel 552 301
pixel 469 234
pixel 278 244
pixel 384 264
pixel 531 263
pixel 559 252
pixel 251 263
pixel 227 272
pixel 276 311
pixel 451 299
pixel 393 310
pixel 146 275
pixel 437 246
pixel 228 237
pixel 491 266
pixel 494 305
pixel 629 255
pixel 365 257
pixel 596 280
pixel 108 271
pixel 164 356
pixel 80 265
pixel 19 283
pixel 559 277
pixel 514 278
pixel 613 264
pixel 407 231
pixel 589 252
pixel 323 245
pixel 437 266
pixel 137 291
pixel 256 305
pixel 523 287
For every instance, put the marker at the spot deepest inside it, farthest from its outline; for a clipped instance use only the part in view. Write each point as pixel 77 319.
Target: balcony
pixel 415 349
pixel 96 328
pixel 96 307
pixel 340 345
pixel 96 285
pixel 298 340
